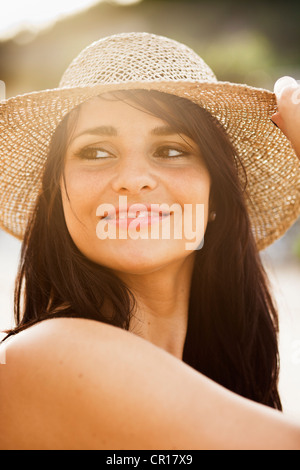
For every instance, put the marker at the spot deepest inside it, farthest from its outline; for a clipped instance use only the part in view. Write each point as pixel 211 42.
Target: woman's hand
pixel 287 118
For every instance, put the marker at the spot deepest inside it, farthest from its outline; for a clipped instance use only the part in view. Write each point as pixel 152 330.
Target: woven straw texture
pixel 142 60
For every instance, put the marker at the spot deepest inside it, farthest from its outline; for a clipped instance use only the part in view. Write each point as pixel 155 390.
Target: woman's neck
pixel 162 299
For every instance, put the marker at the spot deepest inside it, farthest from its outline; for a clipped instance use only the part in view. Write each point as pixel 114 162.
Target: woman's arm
pixel 79 384
pixel 288 117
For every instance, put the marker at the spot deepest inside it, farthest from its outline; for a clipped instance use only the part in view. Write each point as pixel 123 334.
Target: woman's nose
pixel 133 177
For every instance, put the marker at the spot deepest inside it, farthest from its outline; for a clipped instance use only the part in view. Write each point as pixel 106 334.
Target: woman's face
pixel 119 156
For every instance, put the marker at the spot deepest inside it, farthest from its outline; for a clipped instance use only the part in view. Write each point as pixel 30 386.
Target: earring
pixel 212 216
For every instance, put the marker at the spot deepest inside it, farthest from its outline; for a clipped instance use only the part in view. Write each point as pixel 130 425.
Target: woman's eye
pixel 169 152
pixel 93 154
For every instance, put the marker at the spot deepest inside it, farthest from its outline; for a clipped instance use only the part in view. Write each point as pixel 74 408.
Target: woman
pixel 124 149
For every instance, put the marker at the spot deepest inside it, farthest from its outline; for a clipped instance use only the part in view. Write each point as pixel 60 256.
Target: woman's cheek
pixel 84 191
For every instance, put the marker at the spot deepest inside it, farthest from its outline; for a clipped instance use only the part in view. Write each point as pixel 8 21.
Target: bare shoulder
pixel 56 344
pixel 80 384
pixel 66 342
pixel 75 383
pixel 51 335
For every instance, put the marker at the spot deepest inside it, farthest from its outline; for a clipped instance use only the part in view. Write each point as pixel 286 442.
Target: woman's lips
pixel 140 218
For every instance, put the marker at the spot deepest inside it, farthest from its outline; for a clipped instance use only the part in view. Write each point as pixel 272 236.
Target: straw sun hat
pixel 147 61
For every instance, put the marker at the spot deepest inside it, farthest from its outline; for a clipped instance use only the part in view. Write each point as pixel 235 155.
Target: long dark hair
pixel 232 324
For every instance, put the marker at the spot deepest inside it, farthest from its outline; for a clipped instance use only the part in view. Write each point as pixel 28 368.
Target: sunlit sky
pixel 16 15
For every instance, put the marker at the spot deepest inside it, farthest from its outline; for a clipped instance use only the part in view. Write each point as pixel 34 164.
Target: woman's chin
pixel 138 256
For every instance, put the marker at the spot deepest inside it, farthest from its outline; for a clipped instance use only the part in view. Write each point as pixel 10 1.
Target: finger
pixel 279 122
pixel 282 84
pixel 287 118
pixel 287 91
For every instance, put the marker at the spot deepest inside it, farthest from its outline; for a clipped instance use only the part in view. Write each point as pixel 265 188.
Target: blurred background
pixel 253 42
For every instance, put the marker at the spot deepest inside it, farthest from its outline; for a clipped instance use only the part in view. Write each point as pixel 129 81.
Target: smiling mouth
pixel 141 218
pixel 136 215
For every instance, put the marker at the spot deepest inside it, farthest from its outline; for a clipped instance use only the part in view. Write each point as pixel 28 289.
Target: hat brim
pixel 27 123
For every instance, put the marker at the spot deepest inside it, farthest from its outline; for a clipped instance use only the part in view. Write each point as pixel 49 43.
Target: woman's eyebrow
pixel 112 131
pixel 163 131
pixel 167 130
pixel 99 130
